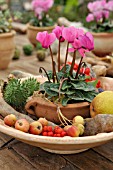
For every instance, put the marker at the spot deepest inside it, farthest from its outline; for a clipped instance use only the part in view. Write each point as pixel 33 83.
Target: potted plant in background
pixel 102 28
pixel 41 21
pixel 70 88
pixel 7 44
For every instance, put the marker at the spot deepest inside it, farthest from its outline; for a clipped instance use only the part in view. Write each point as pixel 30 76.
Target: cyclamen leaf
pixel 66 85
pixel 65 101
pixel 92 83
pixel 88 96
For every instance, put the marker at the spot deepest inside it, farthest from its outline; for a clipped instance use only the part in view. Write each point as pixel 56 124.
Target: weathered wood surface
pixel 21 156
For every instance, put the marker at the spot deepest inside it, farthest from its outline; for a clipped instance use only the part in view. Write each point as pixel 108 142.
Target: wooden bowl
pixel 59 145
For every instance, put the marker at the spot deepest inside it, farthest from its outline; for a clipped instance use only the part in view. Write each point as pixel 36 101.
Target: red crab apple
pixel 67 127
pixel 10 120
pixel 35 128
pixel 73 131
pixel 22 125
pixel 43 121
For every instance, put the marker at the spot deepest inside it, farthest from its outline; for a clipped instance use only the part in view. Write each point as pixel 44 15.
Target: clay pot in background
pixel 33 30
pixel 103 44
pixel 7 48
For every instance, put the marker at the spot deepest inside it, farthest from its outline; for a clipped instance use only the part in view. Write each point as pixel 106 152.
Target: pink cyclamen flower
pixel 109 5
pixel 96 5
pixel 40 6
pixel 99 10
pixel 90 17
pixel 45 38
pixel 87 41
pixel 58 32
pixel 69 34
pixel 84 43
pixel 44 4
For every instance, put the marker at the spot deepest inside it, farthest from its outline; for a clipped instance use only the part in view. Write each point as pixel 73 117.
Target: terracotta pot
pixel 103 44
pixel 42 108
pixel 7 47
pixel 32 32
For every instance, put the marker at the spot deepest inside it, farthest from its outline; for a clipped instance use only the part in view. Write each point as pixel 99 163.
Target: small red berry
pixel 63 134
pixel 87 71
pixel 55 135
pixel 81 70
pixel 59 131
pixel 98 84
pixel 58 135
pixel 75 66
pixel 50 133
pixel 49 128
pixel 45 128
pixel 44 133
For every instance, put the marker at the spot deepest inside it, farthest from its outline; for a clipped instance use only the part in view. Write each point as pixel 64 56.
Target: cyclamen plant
pixel 69 84
pixel 41 8
pixel 100 13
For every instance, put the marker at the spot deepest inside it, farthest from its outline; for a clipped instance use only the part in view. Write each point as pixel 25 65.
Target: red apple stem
pixel 72 64
pixel 66 57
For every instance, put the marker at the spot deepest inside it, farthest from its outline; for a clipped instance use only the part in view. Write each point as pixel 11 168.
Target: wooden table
pixel 21 156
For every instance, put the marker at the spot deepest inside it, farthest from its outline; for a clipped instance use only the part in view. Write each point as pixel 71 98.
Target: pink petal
pixel 69 34
pixel 58 32
pixel 45 39
pixel 71 49
pixel 90 17
pixel 77 44
pixel 82 52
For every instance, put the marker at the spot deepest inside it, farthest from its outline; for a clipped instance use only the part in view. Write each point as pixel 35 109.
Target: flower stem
pixel 79 66
pixel 61 83
pixel 52 64
pixel 66 57
pixel 55 75
pixel 59 56
pixel 40 71
pixel 72 64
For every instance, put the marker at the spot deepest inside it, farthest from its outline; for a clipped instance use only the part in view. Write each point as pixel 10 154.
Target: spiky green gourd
pixel 17 92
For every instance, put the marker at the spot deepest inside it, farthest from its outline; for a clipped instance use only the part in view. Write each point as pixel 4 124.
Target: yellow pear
pixel 102 104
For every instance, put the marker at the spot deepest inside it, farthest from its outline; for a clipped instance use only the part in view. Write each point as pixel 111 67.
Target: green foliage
pixel 5 21
pixel 72 90
pixel 46 21
pixel 28 49
pixel 70 5
pixel 16 54
pixel 17 92
pixel 103 27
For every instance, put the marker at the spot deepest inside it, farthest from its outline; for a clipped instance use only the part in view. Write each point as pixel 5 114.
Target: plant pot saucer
pixel 59 145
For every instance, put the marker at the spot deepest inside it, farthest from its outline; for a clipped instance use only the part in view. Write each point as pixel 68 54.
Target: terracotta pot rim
pixel 7 34
pixel 45 103
pixel 105 34
pixel 40 28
